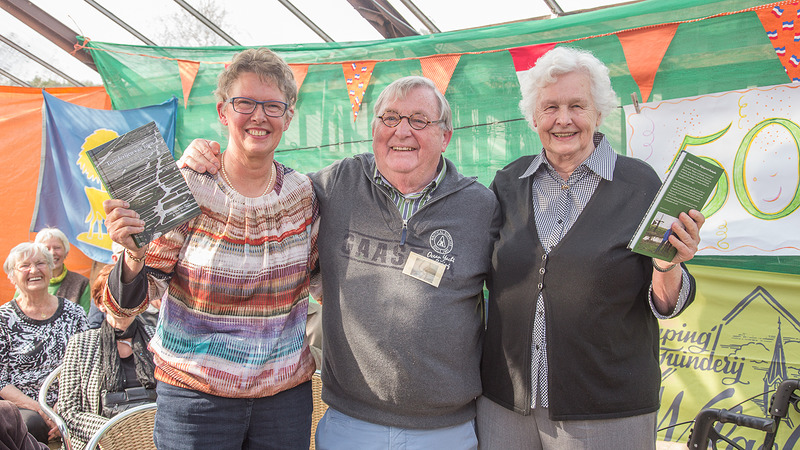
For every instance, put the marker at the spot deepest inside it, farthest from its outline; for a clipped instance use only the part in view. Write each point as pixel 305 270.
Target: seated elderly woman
pixel 105 370
pixel 70 285
pixel 34 330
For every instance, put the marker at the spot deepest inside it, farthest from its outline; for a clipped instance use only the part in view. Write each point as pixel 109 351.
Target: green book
pixel 138 167
pixel 688 185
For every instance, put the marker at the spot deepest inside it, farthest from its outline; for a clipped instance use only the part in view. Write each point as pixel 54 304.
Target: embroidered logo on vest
pixel 441 242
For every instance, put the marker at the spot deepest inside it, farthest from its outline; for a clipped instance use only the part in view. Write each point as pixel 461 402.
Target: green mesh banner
pixel 719 46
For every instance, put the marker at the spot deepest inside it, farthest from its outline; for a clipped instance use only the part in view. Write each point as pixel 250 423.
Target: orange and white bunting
pixel 356 77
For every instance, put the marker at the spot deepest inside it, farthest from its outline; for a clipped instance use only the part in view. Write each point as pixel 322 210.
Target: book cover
pixel 688 185
pixel 138 167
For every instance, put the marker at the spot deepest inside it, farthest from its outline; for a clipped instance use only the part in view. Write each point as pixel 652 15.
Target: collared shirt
pixel 408 204
pixel 557 204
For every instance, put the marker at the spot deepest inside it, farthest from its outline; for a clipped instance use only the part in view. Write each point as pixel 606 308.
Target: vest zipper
pixel 404 232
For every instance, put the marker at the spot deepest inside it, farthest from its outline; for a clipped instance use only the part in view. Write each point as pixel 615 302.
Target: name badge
pixel 424 269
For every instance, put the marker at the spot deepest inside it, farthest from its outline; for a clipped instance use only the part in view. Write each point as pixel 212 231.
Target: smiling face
pixel 771 170
pixel 254 134
pixel 56 247
pixel 406 157
pixel 565 119
pixel 31 274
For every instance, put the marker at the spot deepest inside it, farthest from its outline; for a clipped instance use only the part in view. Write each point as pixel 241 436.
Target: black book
pixel 138 167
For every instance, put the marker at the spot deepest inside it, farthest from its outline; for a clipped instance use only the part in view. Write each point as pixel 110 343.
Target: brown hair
pixel 99 284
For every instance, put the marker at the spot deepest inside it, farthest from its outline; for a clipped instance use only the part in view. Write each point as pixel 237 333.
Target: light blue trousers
pixel 338 431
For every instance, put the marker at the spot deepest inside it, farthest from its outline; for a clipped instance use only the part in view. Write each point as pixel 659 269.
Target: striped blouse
pixel 233 324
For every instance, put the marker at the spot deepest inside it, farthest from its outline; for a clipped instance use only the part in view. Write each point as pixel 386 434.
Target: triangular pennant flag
pixel 300 71
pixel 526 57
pixel 644 49
pixel 439 69
pixel 356 76
pixel 188 71
pixel 782 25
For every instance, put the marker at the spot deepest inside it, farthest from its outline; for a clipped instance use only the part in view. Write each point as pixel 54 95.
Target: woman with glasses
pixel 233 367
pixel 34 330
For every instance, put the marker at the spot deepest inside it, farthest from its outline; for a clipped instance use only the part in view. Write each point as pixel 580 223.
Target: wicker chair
pixel 319 406
pixel 132 429
pixel 62 426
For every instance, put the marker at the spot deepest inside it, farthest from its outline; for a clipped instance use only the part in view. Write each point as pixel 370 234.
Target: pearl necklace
pixel 269 183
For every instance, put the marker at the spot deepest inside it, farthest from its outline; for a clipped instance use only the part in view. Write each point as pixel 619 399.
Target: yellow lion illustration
pixel 96 196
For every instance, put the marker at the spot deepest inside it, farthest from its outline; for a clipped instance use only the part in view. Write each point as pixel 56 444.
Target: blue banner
pixel 70 195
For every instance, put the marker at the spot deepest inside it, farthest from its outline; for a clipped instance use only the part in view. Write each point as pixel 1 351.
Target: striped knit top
pixel 233 323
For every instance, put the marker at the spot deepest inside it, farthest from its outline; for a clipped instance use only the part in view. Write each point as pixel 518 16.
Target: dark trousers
pixel 188 420
pixel 36 425
pixel 14 433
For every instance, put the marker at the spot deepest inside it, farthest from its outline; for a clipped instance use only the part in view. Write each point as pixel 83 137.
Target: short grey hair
pixel 561 61
pixel 24 251
pixel 401 87
pixel 51 232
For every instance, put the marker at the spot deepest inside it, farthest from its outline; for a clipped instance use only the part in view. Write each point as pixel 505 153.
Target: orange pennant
pixel 188 71
pixel 644 49
pixel 300 71
pixel 356 76
pixel 782 25
pixel 439 69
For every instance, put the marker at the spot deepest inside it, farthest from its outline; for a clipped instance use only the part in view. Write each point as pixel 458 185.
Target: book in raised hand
pixel 138 167
pixel 688 185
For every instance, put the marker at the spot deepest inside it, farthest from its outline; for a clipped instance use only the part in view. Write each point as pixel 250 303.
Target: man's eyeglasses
pixel 417 121
pixel 246 105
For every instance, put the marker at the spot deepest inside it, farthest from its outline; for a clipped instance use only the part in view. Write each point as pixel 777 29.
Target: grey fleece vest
pixel 398 351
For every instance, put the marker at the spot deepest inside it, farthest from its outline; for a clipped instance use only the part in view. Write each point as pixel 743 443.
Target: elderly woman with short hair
pixel 64 283
pixel 570 357
pixel 34 330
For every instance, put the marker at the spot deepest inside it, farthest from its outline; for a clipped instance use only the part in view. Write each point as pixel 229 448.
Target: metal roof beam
pixel 14 79
pixel 421 16
pixel 199 16
pixel 120 22
pixel 384 18
pixel 47 65
pixel 43 23
pixel 557 11
pixel 306 21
